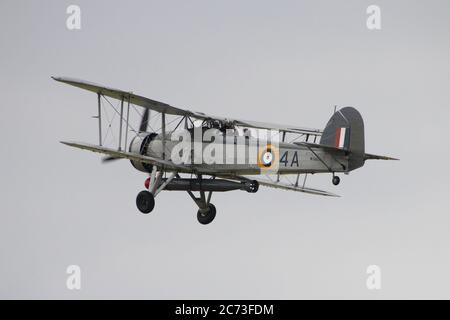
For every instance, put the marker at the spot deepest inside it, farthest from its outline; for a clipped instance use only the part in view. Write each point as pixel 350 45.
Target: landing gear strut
pixel 206 210
pixel 336 180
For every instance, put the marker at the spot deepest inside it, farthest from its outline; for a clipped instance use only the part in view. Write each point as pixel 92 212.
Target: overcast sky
pixel 284 62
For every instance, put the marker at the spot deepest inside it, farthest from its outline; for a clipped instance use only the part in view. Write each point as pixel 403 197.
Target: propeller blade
pixel 144 121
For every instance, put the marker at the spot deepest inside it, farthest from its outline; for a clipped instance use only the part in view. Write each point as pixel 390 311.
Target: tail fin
pixel 345 130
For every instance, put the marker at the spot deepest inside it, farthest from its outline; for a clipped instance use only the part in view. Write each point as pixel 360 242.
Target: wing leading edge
pixel 168 109
pixel 119 94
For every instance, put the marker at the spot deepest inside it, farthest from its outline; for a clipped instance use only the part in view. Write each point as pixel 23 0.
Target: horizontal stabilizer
pixel 320 146
pixel 369 156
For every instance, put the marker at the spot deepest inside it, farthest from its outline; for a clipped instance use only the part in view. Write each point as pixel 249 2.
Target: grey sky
pixel 285 62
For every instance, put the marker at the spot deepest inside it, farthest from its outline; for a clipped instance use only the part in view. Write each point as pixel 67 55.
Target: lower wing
pixel 125 155
pixel 285 186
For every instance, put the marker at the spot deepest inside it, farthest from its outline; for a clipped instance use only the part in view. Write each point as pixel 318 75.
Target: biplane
pixel 183 150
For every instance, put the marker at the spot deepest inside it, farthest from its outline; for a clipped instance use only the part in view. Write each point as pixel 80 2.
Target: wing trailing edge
pixel 283 186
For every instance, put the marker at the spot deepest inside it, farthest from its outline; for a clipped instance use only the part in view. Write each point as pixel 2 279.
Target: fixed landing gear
pixel 145 201
pixel 207 215
pixel 206 210
pixel 158 181
pixel 336 180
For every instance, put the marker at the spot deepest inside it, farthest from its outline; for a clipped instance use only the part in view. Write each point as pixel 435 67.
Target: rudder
pixel 345 130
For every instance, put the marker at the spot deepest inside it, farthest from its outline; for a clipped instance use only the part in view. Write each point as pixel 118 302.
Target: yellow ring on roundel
pixel 268 156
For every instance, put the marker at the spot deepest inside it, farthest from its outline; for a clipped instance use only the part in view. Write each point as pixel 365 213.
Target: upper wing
pixel 168 109
pixel 274 126
pixel 119 94
pixel 260 125
pixel 126 155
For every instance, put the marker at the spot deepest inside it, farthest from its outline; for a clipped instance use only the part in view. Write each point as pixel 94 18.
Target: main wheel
pixel 336 180
pixel 207 216
pixel 145 201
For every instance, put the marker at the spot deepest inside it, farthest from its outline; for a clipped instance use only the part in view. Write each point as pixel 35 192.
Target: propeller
pixel 142 128
pixel 144 121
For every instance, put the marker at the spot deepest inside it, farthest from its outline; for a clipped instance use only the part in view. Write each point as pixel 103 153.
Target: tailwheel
pixel 336 180
pixel 206 216
pixel 145 201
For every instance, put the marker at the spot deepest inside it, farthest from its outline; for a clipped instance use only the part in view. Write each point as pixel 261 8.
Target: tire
pixel 336 180
pixel 145 201
pixel 208 216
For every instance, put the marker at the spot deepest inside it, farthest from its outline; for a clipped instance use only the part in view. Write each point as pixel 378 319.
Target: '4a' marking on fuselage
pixel 285 161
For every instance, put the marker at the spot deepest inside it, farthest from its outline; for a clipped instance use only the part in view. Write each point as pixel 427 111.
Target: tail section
pixel 345 130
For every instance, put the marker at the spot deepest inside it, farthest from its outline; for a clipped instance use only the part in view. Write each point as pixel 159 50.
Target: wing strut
pixel 99 119
pixel 163 137
pixel 127 122
pixel 120 126
pixel 283 138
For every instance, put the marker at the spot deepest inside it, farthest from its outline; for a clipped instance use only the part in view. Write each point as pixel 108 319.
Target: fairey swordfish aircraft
pixel 205 154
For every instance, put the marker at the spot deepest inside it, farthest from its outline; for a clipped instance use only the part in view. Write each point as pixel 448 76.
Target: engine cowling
pixel 141 145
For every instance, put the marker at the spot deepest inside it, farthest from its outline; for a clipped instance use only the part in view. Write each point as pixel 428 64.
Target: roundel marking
pixel 267 156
